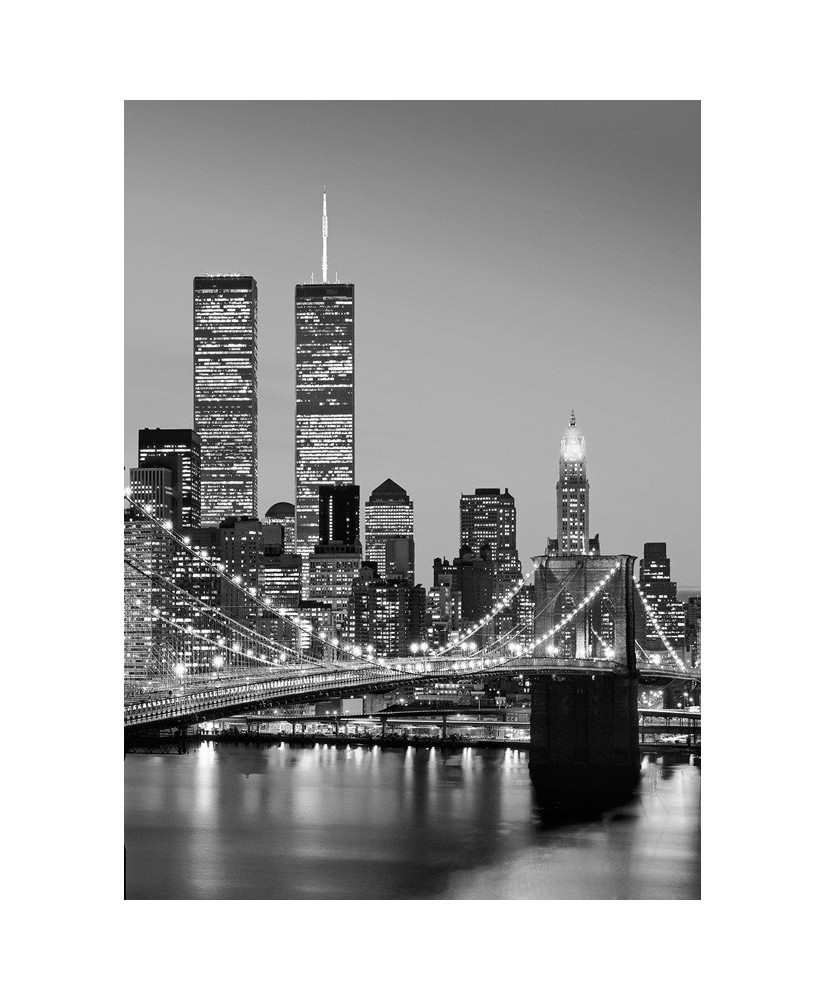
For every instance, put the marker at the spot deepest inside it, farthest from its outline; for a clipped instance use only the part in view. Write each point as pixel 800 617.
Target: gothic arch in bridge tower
pixel 603 626
pixel 565 639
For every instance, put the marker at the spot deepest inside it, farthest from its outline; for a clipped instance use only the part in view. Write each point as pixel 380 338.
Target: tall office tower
pixel 226 394
pixel 284 514
pixel 660 594
pixel 488 517
pixel 572 494
pixel 324 398
pixel 179 451
pixel 153 486
pixel 387 514
pixel 338 514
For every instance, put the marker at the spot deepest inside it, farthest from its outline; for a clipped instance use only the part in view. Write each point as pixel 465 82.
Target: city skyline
pixel 395 439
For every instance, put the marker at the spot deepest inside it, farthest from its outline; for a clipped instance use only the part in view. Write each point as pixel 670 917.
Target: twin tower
pixel 225 308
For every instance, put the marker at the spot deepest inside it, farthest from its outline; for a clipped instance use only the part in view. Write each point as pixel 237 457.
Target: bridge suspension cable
pixel 500 605
pixel 216 567
pixel 655 622
pixel 567 619
pixel 228 623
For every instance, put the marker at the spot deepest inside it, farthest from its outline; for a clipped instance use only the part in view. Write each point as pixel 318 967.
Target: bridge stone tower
pixel 584 728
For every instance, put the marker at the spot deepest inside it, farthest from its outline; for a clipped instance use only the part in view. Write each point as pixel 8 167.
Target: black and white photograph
pixel 411 550
pixel 386 391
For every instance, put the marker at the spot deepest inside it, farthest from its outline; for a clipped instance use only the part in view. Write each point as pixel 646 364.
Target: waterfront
pixel 322 822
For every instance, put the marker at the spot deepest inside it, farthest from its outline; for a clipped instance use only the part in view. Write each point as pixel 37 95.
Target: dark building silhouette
pixel 283 514
pixel 338 514
pixel 399 558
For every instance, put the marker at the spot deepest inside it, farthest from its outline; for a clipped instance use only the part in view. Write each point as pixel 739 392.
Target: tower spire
pixel 324 237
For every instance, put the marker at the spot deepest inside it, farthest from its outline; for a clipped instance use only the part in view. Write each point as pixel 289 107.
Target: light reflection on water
pixel 321 822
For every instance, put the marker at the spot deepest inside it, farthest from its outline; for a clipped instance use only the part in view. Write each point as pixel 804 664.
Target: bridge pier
pixel 584 751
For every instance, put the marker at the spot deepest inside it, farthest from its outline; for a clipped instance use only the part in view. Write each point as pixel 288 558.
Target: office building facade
pixel 488 518
pixel 387 514
pixel 333 569
pixel 226 394
pixel 178 450
pixel 324 404
pixel 152 487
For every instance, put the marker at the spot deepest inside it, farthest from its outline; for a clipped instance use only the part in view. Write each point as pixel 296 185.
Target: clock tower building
pixel 572 494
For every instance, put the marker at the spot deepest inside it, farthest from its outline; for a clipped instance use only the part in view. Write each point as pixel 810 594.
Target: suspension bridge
pixel 201 643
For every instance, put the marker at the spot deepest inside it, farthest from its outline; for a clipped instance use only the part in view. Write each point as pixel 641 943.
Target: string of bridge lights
pixel 519 628
pixel 353 650
pixel 655 622
pixel 366 655
pixel 553 650
pixel 236 581
pixel 609 650
pixel 231 624
pixel 461 641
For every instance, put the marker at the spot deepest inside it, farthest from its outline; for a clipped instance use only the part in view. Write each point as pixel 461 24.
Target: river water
pixel 323 822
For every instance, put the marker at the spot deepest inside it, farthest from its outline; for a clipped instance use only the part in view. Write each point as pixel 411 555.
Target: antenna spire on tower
pixel 324 237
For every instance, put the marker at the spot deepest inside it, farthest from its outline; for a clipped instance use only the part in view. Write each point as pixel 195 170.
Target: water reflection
pixel 327 822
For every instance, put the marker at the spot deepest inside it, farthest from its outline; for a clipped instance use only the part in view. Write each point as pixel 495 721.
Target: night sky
pixel 511 261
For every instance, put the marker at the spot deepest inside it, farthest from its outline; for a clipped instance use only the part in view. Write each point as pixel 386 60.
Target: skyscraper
pixel 226 394
pixel 387 514
pixel 488 517
pixel 152 486
pixel 324 398
pixel 572 494
pixel 179 451
pixel 338 513
pixel 660 593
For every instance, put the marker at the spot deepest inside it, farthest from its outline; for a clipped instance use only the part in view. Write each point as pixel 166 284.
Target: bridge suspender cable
pixel 147 513
pixel 232 624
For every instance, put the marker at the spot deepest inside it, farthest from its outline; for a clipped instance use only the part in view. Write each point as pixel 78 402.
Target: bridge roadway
pixel 214 700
